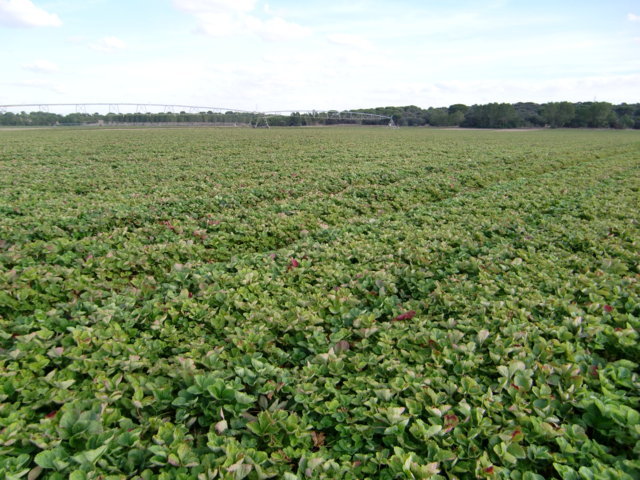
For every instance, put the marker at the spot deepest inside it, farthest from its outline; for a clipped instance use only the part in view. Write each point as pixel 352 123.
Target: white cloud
pixel 203 6
pixel 349 40
pixel 108 45
pixel 276 29
pixel 23 13
pixel 218 24
pixel 40 66
pixel 223 18
pixel 633 17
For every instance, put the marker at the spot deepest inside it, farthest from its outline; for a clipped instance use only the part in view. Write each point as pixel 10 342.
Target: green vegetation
pixel 319 303
pixel 229 118
pixel 492 115
pixel 518 115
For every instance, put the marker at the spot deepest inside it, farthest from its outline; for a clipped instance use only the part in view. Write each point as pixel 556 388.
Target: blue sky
pixel 281 54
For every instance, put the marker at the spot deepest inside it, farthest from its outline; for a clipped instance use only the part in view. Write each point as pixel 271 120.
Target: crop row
pixel 319 304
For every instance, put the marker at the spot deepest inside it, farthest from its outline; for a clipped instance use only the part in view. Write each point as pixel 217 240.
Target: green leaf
pixel 90 456
pixel 566 472
pixel 516 450
pixel 78 475
pixel 532 476
pixel 17 475
pixel 432 431
pixel 50 459
pixel 244 399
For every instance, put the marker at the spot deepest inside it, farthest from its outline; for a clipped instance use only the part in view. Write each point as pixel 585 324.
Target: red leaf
pixel 406 315
pixel 608 308
pixel 51 414
pixel 450 422
pixel 293 264
pixel 489 469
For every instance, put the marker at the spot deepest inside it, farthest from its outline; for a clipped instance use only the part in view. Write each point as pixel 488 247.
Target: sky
pixel 269 55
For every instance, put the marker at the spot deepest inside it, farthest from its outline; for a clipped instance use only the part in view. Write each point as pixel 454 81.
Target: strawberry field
pixel 319 304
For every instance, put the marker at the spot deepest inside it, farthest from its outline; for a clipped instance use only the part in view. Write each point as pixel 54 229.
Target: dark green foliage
pixel 558 114
pixel 593 115
pixel 319 304
pixel 528 114
pixel 493 115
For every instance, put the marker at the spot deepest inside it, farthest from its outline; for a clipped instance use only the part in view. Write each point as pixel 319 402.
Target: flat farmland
pixel 321 303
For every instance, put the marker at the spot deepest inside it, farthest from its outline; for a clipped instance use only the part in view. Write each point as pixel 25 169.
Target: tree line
pixel 518 115
pixel 295 119
pixel 491 115
pixel 78 118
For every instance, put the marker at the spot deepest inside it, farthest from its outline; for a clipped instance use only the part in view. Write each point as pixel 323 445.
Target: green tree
pixel 492 115
pixel 593 114
pixel 438 117
pixel 558 114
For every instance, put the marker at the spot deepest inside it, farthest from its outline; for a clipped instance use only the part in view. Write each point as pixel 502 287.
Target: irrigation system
pixel 129 108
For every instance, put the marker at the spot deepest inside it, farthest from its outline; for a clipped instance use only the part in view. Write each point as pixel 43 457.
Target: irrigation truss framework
pixel 128 108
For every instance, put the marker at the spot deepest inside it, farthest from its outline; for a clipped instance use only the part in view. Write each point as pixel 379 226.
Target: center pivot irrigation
pixel 109 112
